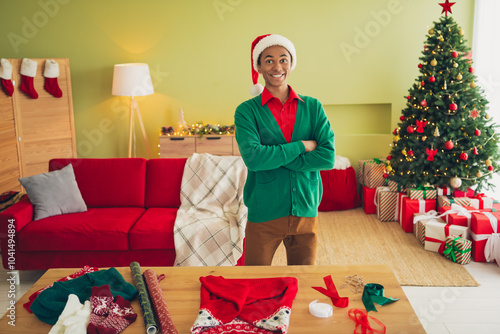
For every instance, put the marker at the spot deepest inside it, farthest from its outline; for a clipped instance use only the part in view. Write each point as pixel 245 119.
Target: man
pixel 285 139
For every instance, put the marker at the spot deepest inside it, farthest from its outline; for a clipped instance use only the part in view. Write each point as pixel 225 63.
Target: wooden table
pixel 181 289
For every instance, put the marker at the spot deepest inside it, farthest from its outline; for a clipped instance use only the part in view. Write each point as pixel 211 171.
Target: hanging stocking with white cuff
pixel 6 75
pixel 51 73
pixel 28 73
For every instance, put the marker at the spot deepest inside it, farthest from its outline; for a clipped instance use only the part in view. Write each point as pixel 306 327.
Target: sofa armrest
pixel 19 214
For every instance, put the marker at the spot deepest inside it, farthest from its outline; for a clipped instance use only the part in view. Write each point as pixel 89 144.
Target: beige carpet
pixel 352 237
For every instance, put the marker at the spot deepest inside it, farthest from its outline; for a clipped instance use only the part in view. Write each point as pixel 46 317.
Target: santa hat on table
pixel 258 46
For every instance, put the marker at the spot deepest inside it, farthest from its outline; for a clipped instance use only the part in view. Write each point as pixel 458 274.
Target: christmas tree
pixel 445 136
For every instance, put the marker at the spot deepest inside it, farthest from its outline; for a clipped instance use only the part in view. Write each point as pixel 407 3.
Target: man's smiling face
pixel 274 65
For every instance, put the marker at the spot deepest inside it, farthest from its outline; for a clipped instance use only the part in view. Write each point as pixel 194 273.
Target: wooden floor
pixel 442 310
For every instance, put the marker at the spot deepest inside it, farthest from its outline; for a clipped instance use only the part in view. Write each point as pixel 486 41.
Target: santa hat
pixel 258 46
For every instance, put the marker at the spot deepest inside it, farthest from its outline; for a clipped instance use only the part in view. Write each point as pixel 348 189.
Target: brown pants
pixel 298 234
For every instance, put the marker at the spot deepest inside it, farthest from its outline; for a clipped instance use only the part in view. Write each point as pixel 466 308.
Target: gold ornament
pixel 431 31
pixel 473 84
pixel 424 138
pixel 396 138
pixel 487 116
pixel 388 168
pixel 459 76
pixel 441 39
pixel 479 174
pixel 403 152
pixel 487 162
pixel 455 65
pixel 461 32
pixel 434 62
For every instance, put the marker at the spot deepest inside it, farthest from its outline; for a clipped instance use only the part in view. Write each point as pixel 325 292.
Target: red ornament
pixel 464 156
pixel 423 103
pixel 448 145
pixel 419 65
pixel 409 129
pixel 385 175
pixel 395 132
pixel 471 70
pixel 446 7
pixel 389 157
pixel 454 54
pixel 410 153
pixel 431 154
pixel 408 97
pixel 422 83
pixel 475 151
pixel 420 126
pixel 477 132
pixel 490 168
pixel 453 106
pixel 402 118
pixel 432 79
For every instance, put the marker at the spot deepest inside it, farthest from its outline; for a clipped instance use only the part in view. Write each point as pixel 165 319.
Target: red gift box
pixel 369 200
pixel 485 227
pixel 457 215
pixel 407 207
pixel 460 193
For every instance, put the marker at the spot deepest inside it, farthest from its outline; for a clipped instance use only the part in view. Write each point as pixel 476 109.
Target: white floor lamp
pixel 133 80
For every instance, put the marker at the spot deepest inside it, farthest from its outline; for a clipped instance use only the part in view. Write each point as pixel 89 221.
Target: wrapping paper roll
pixel 147 311
pixel 159 303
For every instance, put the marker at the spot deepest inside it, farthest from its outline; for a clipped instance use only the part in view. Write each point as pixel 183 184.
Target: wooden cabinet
pixel 185 146
pixel 33 131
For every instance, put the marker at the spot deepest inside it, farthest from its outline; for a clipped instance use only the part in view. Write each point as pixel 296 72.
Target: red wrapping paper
pixel 481 225
pixel 369 200
pixel 456 219
pixel 159 303
pixel 407 207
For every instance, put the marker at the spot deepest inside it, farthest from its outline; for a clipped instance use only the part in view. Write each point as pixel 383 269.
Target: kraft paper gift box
pixel 436 233
pixel 371 172
pixel 368 195
pixel 457 249
pixel 443 190
pixel 485 229
pixel 407 207
pixel 444 200
pixel 422 193
pixel 457 215
pixel 386 202
pixel 395 186
pixel 420 220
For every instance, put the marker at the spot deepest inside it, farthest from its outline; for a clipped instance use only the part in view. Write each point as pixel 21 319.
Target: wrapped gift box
pixel 407 207
pixel 481 202
pixel 371 172
pixel 457 215
pixel 461 193
pixel 419 222
pixel 423 193
pixel 485 227
pixel 436 233
pixel 368 195
pixel 457 249
pixel 386 202
pixel 444 200
pixel 443 190
pixel 395 186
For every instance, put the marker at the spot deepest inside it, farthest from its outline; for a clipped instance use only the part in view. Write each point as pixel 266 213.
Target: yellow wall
pixel 358 57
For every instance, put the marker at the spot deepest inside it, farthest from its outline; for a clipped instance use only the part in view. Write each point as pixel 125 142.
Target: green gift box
pixel 457 249
pixel 422 193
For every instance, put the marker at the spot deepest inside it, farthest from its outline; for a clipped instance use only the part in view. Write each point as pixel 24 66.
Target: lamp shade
pixel 132 79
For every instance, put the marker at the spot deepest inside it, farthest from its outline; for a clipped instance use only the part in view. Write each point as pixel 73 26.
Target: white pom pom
pixel 256 89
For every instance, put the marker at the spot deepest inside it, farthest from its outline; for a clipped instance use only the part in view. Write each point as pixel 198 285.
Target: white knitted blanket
pixel 210 224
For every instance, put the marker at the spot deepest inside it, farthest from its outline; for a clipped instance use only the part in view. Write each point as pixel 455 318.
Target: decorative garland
pixel 199 129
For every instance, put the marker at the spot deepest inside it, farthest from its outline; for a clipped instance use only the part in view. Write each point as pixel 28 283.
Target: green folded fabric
pixel 49 305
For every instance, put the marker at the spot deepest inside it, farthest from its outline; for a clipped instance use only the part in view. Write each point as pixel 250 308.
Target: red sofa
pixel 132 205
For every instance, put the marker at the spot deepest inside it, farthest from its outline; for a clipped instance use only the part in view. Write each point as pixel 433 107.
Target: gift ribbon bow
pixel 450 251
pixel 363 323
pixel 332 292
pixel 424 190
pixel 432 214
pixel 374 293
pixel 460 211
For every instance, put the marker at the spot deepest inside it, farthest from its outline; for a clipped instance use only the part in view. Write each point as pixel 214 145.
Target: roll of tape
pixel 320 310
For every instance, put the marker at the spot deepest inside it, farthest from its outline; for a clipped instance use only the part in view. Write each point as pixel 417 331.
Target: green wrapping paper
pixel 147 311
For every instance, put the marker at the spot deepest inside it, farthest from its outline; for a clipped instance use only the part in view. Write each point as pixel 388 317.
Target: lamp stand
pixel 134 106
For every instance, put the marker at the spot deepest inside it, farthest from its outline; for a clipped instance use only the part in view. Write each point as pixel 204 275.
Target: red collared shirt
pixel 284 114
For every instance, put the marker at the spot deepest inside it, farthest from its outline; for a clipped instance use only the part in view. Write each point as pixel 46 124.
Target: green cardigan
pixel 282 178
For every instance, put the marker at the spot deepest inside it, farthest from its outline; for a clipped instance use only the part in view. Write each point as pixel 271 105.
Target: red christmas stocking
pixel 121 314
pixel 100 303
pixel 28 72
pixel 51 73
pixel 6 75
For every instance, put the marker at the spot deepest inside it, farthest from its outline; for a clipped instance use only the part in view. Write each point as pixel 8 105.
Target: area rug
pixel 353 237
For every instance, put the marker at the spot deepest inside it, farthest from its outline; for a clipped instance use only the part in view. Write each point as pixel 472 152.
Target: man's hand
pixel 310 145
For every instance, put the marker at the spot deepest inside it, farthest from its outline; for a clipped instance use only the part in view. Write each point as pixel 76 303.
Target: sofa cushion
pixel 54 193
pixel 96 229
pixel 163 182
pixel 154 230
pixel 105 183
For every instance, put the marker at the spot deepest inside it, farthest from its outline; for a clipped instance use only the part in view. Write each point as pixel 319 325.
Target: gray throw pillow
pixel 54 193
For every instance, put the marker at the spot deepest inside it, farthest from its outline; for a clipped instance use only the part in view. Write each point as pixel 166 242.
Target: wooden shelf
pixel 185 146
